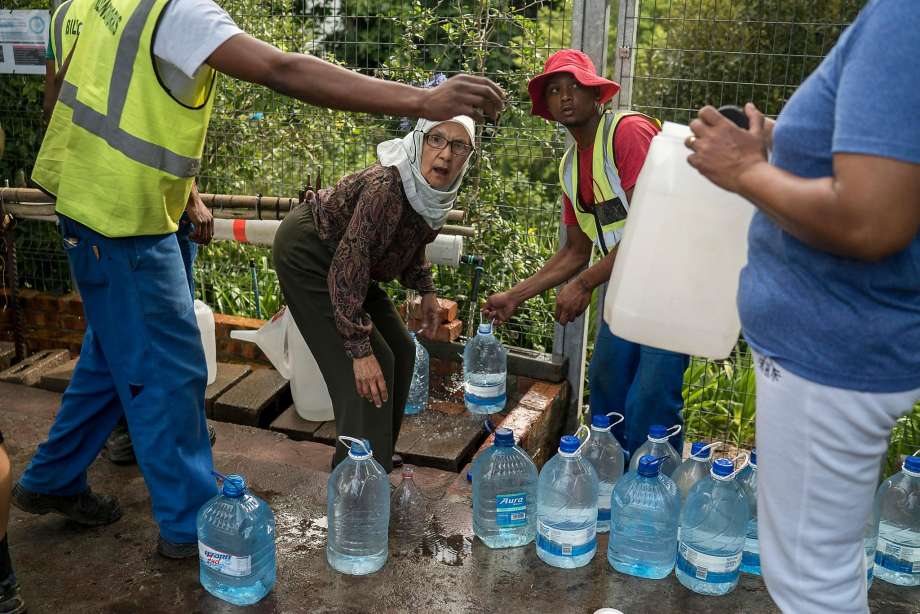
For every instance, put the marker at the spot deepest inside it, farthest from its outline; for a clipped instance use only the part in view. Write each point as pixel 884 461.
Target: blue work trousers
pixel 188 249
pixel 141 356
pixel 643 383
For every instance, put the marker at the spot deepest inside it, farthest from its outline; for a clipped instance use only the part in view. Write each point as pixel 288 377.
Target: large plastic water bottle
pixel 504 494
pixel 870 542
pixel 644 513
pixel 713 525
pixel 236 544
pixel 408 513
pixel 358 509
pixel 658 445
pixel 604 453
pixel 485 371
pixel 694 468
pixel 750 558
pixel 897 506
pixel 418 389
pixel 567 508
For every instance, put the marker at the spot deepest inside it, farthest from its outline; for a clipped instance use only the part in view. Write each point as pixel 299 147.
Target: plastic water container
pixel 693 469
pixel 897 506
pixel 658 445
pixel 358 509
pixel 713 525
pixel 750 558
pixel 644 514
pixel 682 298
pixel 281 342
pixel 485 371
pixel 567 508
pixel 236 544
pixel 605 454
pixel 418 389
pixel 870 543
pixel 504 494
pixel 205 319
pixel 408 513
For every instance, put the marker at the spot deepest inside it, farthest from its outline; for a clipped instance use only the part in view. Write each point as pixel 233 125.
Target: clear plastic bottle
pixel 504 494
pixel 658 445
pixel 694 468
pixel 485 371
pixel 870 542
pixel 713 525
pixel 605 454
pixel 643 522
pixel 567 508
pixel 897 506
pixel 236 544
pixel 418 389
pixel 358 510
pixel 408 513
pixel 750 558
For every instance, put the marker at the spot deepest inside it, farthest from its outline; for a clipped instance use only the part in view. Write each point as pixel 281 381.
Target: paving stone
pixel 433 439
pixel 31 369
pixel 228 374
pixel 255 400
pixel 7 354
pixel 58 378
pixel 325 433
pixel 295 427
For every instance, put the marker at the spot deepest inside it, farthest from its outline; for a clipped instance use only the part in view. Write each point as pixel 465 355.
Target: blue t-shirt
pixel 838 321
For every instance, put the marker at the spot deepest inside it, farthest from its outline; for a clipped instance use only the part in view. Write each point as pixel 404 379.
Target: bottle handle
pixel 676 426
pixel 713 445
pixel 741 466
pixel 350 441
pixel 613 424
pixel 585 440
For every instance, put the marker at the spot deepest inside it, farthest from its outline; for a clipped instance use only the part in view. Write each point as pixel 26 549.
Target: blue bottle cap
pixel 234 486
pixel 600 421
pixel 657 431
pixel 469 476
pixel 569 443
pixel 357 451
pixel 504 438
pixel 649 466
pixel 722 467
pixel 912 463
pixel 485 328
pixel 697 451
pixel 753 459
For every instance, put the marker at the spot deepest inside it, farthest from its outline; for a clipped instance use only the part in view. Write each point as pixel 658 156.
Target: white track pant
pixel 819 451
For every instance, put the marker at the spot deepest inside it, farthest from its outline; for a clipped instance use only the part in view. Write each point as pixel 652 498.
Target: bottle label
pixel 484 395
pixel 603 514
pixel 566 542
pixel 222 562
pixel 896 557
pixel 708 567
pixel 511 510
pixel 750 559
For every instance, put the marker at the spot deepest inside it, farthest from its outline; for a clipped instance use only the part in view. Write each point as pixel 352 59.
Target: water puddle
pixel 446 549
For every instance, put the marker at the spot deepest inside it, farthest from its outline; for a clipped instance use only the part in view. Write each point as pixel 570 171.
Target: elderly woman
pixel 331 252
pixel 830 300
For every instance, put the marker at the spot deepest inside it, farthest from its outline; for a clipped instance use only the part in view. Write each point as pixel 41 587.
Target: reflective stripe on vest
pixel 58 26
pixel 608 189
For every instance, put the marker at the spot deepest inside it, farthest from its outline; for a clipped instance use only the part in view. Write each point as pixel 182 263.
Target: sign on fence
pixel 23 37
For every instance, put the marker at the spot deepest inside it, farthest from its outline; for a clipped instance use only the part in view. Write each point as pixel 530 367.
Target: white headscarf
pixel 406 155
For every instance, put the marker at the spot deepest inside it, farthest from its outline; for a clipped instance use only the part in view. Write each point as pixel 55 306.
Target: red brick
pixel 447 309
pixel 70 304
pixel 524 383
pixel 71 322
pixel 541 395
pixel 223 324
pixel 449 332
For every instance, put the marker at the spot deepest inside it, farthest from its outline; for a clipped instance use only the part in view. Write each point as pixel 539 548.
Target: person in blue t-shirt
pixel 830 297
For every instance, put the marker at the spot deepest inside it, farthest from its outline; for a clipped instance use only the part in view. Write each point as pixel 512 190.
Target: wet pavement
pixel 66 568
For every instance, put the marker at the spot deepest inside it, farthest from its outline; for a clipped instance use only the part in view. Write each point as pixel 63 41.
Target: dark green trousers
pixel 302 262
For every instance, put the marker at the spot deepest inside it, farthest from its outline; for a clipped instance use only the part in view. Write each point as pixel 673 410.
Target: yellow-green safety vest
pixel 66 23
pixel 131 149
pixel 604 223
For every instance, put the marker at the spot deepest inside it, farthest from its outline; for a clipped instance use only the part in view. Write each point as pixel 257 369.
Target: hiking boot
pixel 87 508
pixel 170 550
pixel 11 601
pixel 119 449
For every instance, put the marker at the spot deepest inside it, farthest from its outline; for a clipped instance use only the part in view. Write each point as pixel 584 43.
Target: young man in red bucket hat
pixel 597 175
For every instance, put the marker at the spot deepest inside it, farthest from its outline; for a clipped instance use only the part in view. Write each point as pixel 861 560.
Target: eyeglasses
pixel 458 148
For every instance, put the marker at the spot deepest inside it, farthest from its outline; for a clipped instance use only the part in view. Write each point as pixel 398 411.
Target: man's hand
pixel 201 217
pixel 500 307
pixel 430 310
pixel 464 95
pixel 369 379
pixel 572 301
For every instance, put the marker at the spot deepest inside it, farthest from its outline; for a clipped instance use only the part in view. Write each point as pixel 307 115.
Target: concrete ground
pixel 66 568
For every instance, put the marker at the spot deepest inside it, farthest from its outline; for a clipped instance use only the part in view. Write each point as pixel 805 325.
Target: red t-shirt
pixel 630 145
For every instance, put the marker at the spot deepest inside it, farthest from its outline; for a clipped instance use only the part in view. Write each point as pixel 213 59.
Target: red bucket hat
pixel 580 66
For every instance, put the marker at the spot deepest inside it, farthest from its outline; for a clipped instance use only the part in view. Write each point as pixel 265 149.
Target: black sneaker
pixel 397 461
pixel 87 508
pixel 176 551
pixel 11 601
pixel 120 450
